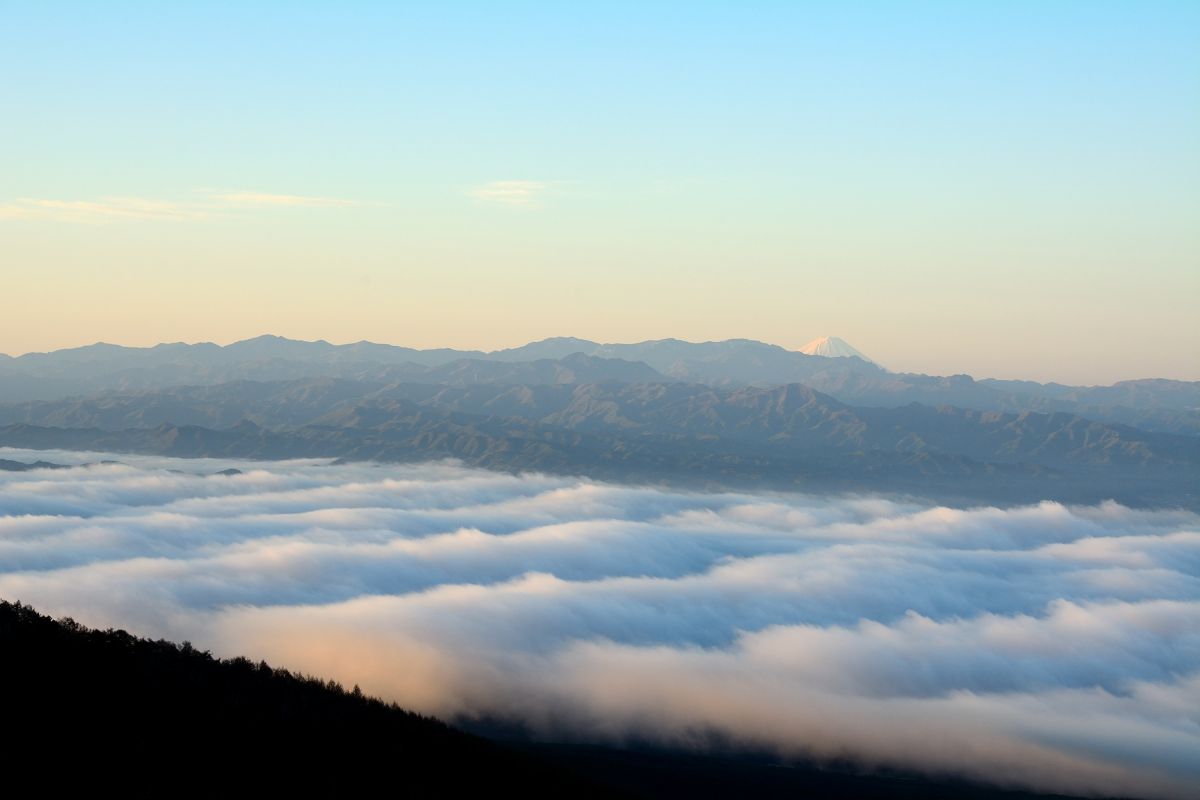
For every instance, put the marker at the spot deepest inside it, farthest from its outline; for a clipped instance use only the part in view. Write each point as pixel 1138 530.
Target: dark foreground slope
pixel 103 713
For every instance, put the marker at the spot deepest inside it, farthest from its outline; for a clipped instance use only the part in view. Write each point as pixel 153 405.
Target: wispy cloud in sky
pixel 103 209
pixel 121 209
pixel 279 200
pixel 512 193
pixel 1045 646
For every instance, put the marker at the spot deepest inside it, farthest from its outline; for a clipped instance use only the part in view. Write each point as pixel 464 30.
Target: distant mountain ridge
pixel 1158 405
pixel 781 437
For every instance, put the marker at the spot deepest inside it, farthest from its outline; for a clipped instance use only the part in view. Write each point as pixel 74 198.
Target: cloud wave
pixel 1044 646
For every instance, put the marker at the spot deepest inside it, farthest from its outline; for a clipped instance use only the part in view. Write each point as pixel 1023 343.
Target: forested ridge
pixel 104 713
pixel 116 713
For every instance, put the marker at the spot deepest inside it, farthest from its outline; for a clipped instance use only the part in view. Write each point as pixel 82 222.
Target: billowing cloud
pixel 512 193
pixel 1044 646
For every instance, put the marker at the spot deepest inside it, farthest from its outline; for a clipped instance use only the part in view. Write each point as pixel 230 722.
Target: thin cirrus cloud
pixel 104 209
pixel 284 200
pixel 1044 646
pixel 512 193
pixel 122 209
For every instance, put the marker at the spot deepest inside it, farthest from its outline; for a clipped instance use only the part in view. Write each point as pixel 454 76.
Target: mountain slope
pixel 91 712
pixel 150 718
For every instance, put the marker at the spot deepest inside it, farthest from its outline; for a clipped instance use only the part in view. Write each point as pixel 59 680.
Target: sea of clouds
pixel 1044 646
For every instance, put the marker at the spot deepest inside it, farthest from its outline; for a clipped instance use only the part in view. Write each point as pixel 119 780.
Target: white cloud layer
pixel 1048 647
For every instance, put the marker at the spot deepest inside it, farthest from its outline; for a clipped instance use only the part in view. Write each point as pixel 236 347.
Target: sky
pixel 1003 189
pixel 1045 646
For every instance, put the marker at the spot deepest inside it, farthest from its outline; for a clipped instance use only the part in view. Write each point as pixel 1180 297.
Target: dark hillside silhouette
pixel 90 713
pixel 104 713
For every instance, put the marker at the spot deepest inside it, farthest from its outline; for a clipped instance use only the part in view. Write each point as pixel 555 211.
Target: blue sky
pixel 1007 189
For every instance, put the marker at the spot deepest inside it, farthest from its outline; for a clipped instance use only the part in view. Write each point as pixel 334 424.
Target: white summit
pixel 833 347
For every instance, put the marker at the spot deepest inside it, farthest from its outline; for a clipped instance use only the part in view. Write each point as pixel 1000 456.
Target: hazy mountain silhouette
pixel 1169 406
pixel 788 437
pixel 7 465
pixel 736 412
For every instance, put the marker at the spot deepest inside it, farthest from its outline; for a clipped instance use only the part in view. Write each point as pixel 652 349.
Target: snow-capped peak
pixel 833 347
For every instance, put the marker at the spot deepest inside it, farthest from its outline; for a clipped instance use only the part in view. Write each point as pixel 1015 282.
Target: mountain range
pixel 1160 405
pixel 714 414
